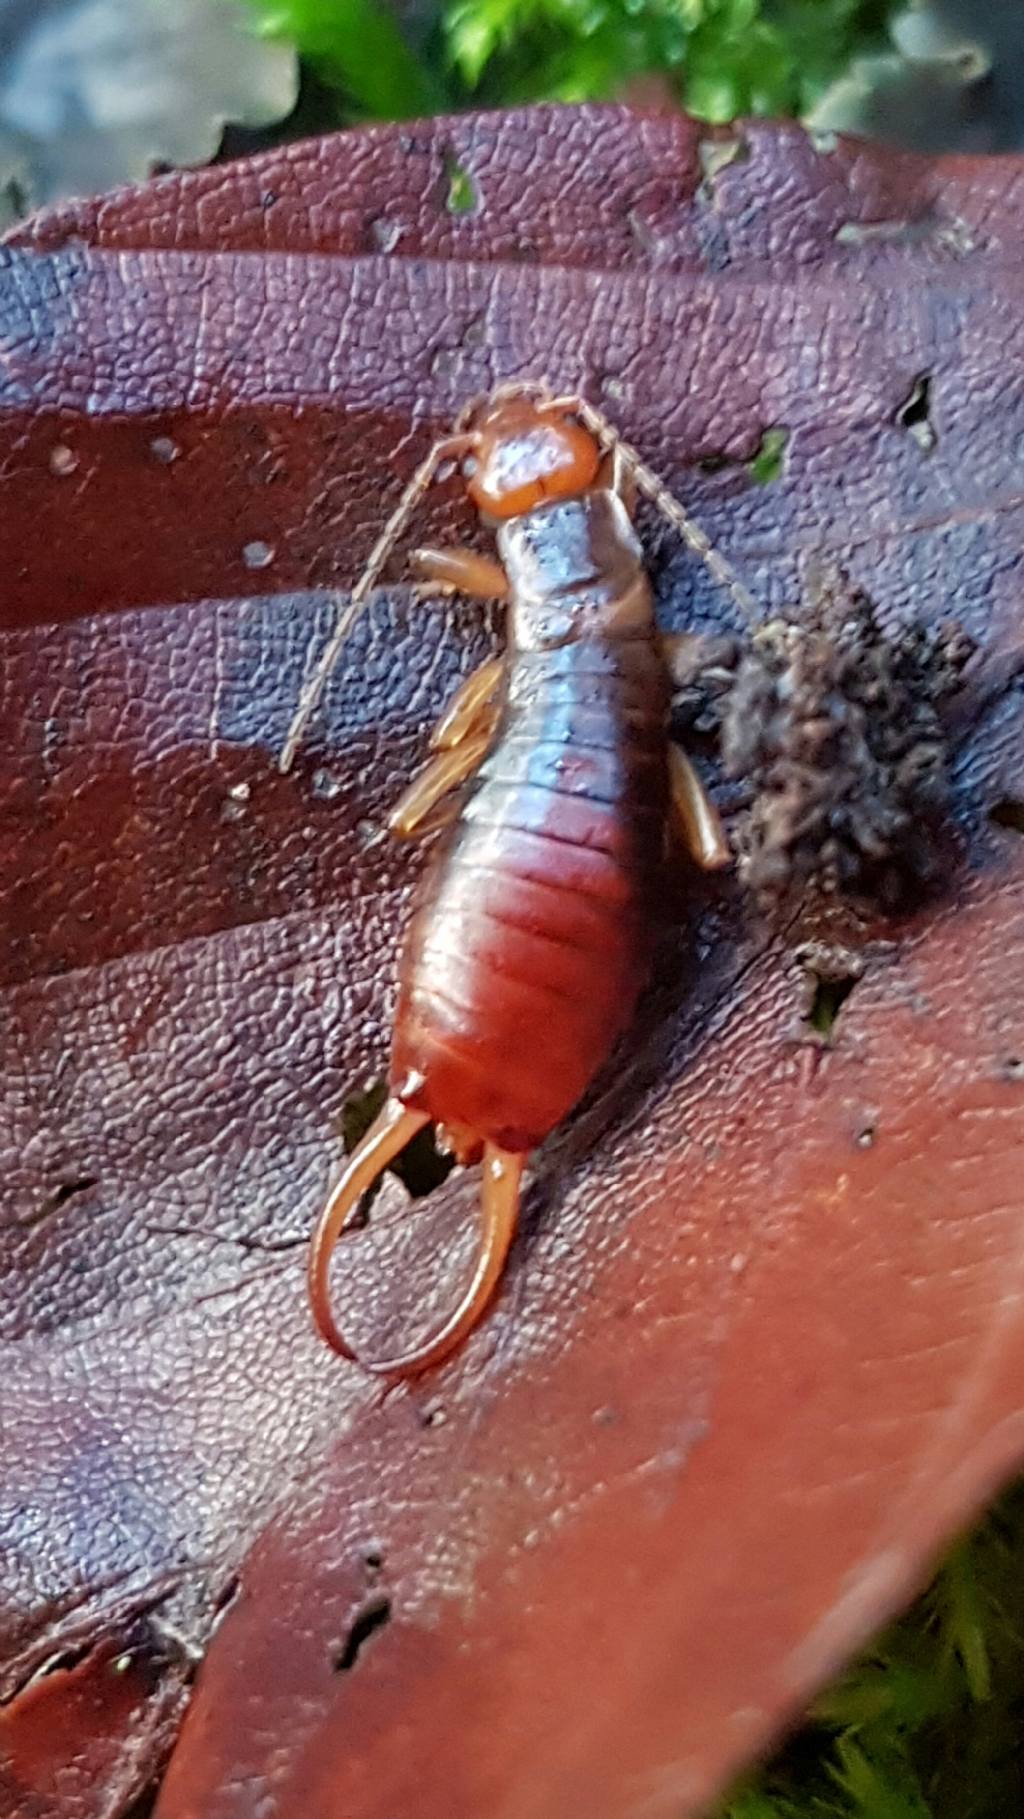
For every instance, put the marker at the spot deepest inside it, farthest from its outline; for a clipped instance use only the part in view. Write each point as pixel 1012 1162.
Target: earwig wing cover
pixel 761 1347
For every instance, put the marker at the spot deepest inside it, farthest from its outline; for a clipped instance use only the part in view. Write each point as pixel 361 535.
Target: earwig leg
pixel 502 1175
pixel 386 1137
pixel 444 813
pixel 443 774
pixel 463 571
pixel 467 706
pixel 461 738
pixel 448 448
pixel 695 816
pixel 657 492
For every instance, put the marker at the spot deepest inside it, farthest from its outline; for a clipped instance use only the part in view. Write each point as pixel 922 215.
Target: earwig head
pixel 525 455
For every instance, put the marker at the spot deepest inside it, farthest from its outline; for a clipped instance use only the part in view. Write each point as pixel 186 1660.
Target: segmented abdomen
pixel 525 958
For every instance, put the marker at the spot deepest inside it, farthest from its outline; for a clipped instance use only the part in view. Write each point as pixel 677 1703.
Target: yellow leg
pixel 443 813
pixel 462 571
pixel 442 775
pixel 499 1208
pixel 468 706
pixel 694 814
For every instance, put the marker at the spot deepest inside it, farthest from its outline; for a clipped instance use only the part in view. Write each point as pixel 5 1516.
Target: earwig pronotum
pixel 527 953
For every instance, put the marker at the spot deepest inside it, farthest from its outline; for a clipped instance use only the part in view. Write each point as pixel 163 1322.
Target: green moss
pixel 927 1725
pixel 721 58
pixel 358 47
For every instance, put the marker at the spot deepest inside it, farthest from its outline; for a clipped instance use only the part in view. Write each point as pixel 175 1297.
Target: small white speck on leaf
pixel 325 785
pixel 258 554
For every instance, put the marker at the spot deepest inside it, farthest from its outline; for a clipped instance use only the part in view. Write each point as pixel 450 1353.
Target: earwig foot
pixel 423 592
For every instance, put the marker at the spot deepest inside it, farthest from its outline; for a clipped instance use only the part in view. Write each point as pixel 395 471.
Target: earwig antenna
pixel 669 507
pixel 448 448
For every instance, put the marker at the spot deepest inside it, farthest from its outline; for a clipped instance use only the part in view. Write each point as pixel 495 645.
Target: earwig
pixel 554 771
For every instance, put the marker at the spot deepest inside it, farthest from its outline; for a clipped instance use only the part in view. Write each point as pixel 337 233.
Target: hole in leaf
pixel 227 1594
pixel 914 415
pixel 257 553
pixel 145 1806
pixel 717 154
pixel 1009 812
pixel 829 997
pixel 68 1189
pixel 766 465
pixel 421 1166
pixel 62 1193
pixel 385 233
pixel 713 463
pixel 461 197
pixel 371 1618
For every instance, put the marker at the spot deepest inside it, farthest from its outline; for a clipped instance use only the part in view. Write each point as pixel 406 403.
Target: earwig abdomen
pixel 524 961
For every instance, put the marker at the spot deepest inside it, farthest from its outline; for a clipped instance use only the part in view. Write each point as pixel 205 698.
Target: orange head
pixel 524 455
